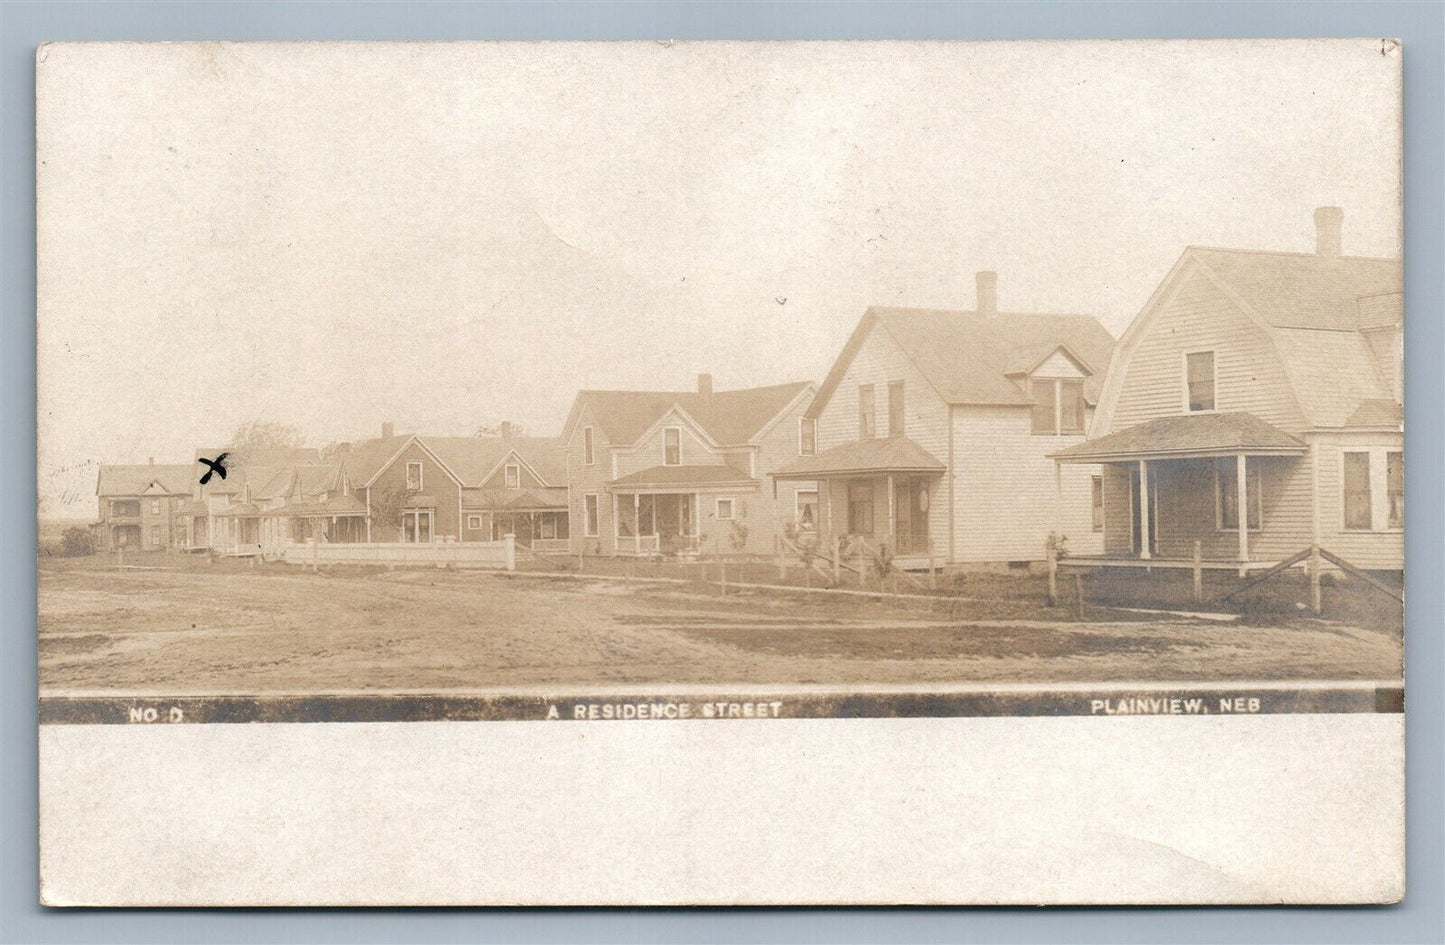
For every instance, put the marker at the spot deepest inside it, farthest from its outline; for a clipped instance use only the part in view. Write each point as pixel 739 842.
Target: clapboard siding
pixel 649 451
pixel 778 447
pixel 880 361
pixel 1250 376
pixel 1379 547
pixel 1005 502
pixel 583 479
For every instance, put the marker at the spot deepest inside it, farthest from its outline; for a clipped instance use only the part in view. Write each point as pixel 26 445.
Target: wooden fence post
pixel 315 552
pixel 511 541
pixel 723 574
pixel 837 560
pixel 932 571
pixel 778 548
pixel 862 567
pixel 1315 567
pixel 1053 558
pixel 1198 572
pixel 1078 596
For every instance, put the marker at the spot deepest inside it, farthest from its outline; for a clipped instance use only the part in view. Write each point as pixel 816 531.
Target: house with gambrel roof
pixel 933 432
pixel 667 472
pixel 1261 381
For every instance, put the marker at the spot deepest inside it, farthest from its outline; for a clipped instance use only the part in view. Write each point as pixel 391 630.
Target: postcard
pixel 720 473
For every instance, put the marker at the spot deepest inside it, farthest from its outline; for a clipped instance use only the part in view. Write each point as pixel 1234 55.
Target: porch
pixel 1225 492
pixel 537 518
pixel 875 494
pixel 661 510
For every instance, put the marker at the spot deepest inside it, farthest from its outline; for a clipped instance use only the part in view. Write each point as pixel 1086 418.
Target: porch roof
pixel 677 476
pixel 338 506
pixel 879 455
pixel 246 510
pixel 551 498
pixel 1192 435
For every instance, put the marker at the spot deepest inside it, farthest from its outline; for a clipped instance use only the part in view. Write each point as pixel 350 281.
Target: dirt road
pixel 274 629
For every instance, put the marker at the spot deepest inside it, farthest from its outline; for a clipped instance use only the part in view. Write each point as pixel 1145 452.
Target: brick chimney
pixel 388 429
pixel 987 282
pixel 704 383
pixel 506 429
pixel 1328 221
pixel 151 460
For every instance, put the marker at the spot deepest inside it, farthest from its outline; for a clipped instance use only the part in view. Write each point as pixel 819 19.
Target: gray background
pixel 1420 25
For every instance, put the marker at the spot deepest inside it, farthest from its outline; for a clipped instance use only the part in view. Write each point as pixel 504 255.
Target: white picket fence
pixel 498 555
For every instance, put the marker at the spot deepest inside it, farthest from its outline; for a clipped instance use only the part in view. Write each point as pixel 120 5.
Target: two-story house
pixel 1255 407
pixel 460 488
pixel 140 506
pixel 933 430
pixel 667 472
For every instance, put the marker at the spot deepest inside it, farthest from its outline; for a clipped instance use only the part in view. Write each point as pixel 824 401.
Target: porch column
pixel 1242 497
pixel 1058 498
pixel 893 512
pixel 637 523
pixel 1144 509
pixel 616 524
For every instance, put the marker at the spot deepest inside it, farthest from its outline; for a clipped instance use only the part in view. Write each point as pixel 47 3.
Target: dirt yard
pixel 180 626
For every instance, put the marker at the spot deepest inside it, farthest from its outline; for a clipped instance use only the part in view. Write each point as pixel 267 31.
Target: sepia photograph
pixel 417 393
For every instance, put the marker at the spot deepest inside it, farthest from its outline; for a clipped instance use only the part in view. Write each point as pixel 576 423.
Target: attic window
pixel 1058 405
pixel 1199 381
pixel 672 446
pixel 513 474
pixel 413 477
pixel 588 457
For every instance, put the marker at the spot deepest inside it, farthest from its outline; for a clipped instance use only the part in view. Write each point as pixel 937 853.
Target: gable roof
pixel 1307 290
pixel 730 417
pixel 174 478
pixel 967 356
pixel 474 458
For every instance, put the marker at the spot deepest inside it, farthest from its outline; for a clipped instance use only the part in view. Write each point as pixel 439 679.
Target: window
pixel 806 506
pixel 589 515
pixel 1356 484
pixel 807 436
pixel 156 535
pixel 1395 489
pixel 672 446
pixel 588 457
pixel 895 408
pixel 860 508
pixel 724 510
pixel 1226 505
pixel 1071 406
pixel 416 525
pixel 155 506
pixel 474 522
pixel 1199 381
pixel 866 417
pixel 1098 503
pixel 512 476
pixel 1045 412
pixel 413 477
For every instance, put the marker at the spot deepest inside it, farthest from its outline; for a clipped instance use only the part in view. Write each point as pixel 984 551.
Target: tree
pixel 387 506
pixel 258 437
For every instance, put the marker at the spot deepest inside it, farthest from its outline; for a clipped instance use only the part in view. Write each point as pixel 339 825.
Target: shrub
pixel 76 542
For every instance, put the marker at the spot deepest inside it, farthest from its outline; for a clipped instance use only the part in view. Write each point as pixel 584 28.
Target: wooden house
pixel 140 506
pixel 932 432
pixel 1261 388
pixel 681 472
pixel 417 488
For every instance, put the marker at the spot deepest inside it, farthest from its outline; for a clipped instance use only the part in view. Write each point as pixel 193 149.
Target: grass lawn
pixel 178 626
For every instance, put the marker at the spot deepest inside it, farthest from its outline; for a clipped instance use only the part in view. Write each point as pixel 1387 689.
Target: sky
pixel 449 235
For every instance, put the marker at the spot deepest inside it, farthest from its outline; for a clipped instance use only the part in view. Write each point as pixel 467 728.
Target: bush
pixel 76 542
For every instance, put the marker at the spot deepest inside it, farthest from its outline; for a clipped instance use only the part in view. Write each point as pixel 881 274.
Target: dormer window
pixel 513 476
pixel 1199 381
pixel 672 446
pixel 1058 405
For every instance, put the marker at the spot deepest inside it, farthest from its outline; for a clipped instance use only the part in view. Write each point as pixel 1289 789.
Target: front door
pixel 911 510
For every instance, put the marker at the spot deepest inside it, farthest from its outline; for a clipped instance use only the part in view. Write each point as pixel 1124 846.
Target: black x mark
pixel 217 466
